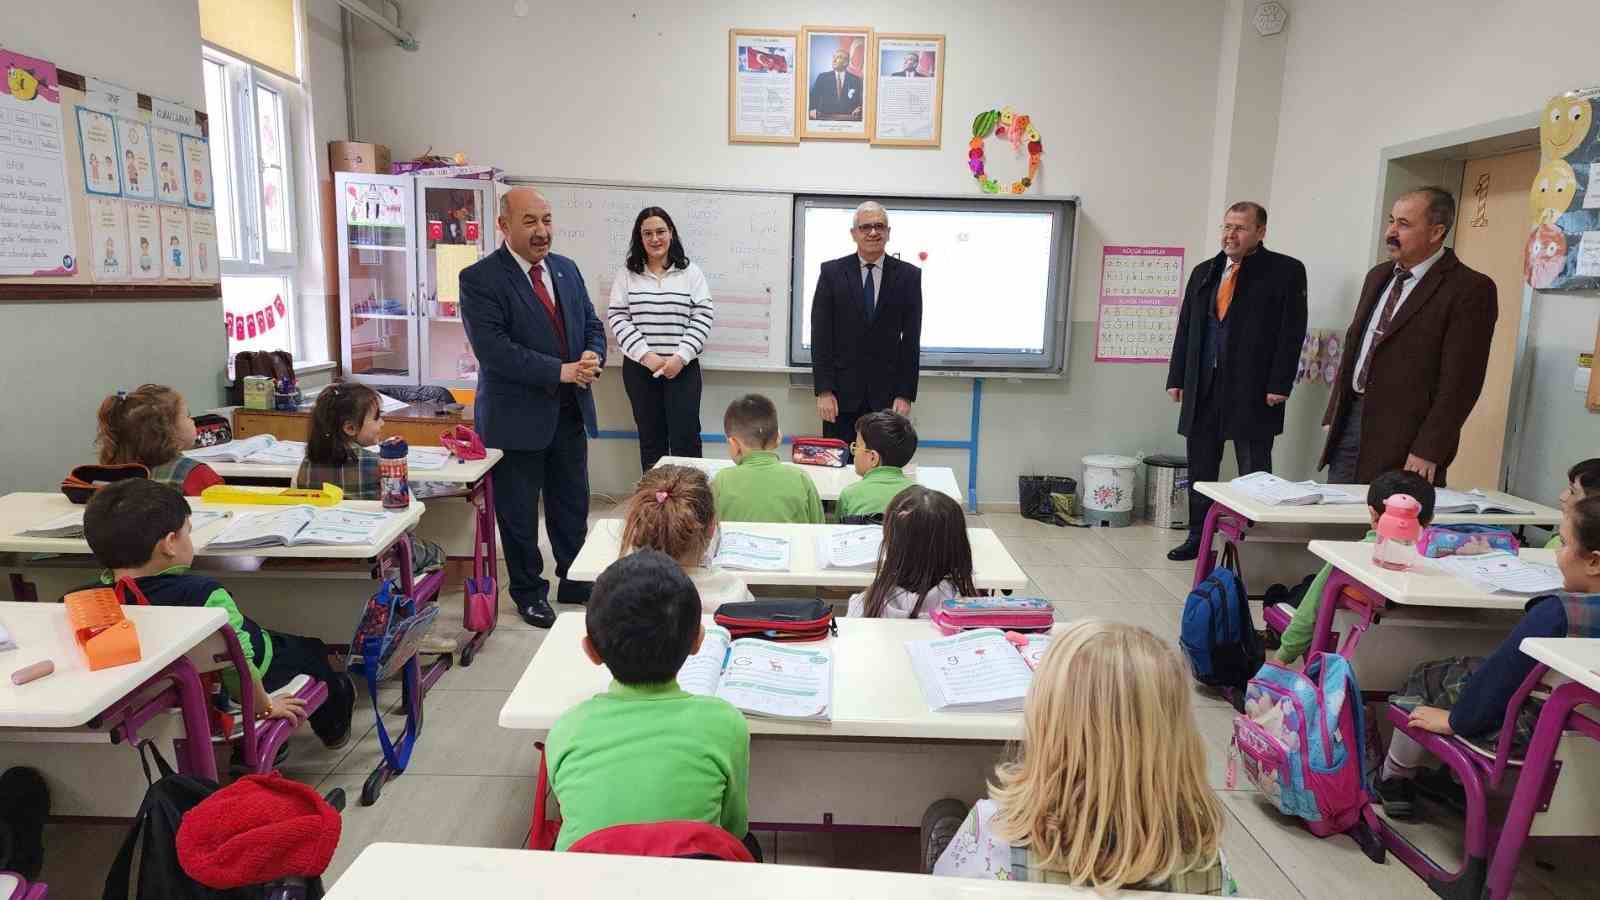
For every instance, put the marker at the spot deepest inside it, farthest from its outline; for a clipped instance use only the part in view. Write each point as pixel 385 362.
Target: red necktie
pixel 536 275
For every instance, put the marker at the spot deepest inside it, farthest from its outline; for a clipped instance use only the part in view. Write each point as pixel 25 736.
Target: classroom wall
pixel 1363 75
pixel 1124 94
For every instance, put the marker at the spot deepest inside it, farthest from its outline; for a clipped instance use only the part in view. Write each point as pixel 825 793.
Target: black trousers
pixel 667 411
pixel 843 425
pixel 293 655
pixel 561 473
pixel 1205 457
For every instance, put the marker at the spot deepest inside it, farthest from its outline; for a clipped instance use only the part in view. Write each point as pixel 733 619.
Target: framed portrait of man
pixel 763 86
pixel 839 81
pixel 910 90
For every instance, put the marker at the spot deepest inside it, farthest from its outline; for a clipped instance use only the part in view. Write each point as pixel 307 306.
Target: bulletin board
pixel 82 285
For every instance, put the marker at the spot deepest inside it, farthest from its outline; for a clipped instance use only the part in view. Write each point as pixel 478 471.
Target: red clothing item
pixel 199 478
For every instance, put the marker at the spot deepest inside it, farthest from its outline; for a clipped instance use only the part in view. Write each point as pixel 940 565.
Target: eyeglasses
pixel 873 226
pixel 1236 229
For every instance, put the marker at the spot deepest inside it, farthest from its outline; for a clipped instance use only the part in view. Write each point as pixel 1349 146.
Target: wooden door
pixel 1491 228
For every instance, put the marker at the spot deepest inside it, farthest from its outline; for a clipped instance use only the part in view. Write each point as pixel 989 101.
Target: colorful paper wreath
pixel 1006 124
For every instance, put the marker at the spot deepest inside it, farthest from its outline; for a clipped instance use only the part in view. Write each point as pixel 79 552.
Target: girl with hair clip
pixel 1108 788
pixel 150 425
pixel 924 558
pixel 672 511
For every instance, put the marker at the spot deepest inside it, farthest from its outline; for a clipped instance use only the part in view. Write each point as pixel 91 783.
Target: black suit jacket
pixel 1266 325
pixel 857 360
pixel 827 99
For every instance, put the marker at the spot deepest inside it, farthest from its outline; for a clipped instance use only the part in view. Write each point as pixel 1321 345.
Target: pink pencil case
pixel 955 614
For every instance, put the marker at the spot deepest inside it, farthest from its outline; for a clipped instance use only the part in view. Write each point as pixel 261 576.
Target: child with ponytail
pixel 672 510
pixel 150 425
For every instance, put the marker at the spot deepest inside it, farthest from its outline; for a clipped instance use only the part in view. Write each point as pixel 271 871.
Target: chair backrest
pixel 692 840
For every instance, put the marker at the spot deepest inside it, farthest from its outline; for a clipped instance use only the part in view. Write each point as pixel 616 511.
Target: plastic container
pixel 1166 490
pixel 1108 489
pixel 1398 530
pixel 392 475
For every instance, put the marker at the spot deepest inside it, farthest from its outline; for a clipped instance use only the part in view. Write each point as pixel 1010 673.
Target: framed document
pixel 909 69
pixel 763 86
pixel 838 83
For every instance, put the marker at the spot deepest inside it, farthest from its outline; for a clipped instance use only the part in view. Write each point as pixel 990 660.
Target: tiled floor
pixel 471 782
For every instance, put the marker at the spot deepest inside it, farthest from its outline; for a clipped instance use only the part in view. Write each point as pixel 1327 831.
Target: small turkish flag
pixel 227 320
pixel 250 324
pixel 472 230
pixel 277 303
pixel 435 230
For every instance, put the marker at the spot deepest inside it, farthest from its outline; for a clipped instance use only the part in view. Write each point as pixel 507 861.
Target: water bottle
pixel 395 484
pixel 1398 529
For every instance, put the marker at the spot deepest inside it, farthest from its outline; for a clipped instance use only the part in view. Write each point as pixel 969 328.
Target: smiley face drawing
pixel 1564 126
pixel 1552 191
pixel 1544 256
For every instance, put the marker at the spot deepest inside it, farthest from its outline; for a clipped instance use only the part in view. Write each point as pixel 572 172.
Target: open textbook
pixel 763 678
pixel 849 547
pixel 262 449
pixel 976 671
pixel 1275 491
pixel 1448 501
pixel 1501 571
pixel 742 550
pixel 298 526
pixel 70 524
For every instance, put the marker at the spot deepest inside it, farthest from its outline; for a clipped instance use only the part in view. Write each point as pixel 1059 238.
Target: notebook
pixel 298 526
pixel 70 524
pixel 1275 491
pixel 741 550
pixel 851 547
pixel 1448 501
pixel 975 671
pixel 1501 571
pixel 763 678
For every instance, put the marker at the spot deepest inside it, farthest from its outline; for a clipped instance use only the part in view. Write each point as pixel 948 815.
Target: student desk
pixel 1233 513
pixel 992 567
pixel 831 481
pixel 386 871
pixel 880 762
pixel 418 423
pixel 61 723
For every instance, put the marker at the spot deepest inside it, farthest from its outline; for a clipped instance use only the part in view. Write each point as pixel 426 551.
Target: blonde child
pixel 150 425
pixel 1109 786
pixel 672 510
pixel 925 558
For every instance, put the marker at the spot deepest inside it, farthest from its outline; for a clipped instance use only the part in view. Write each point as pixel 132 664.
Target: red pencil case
pixel 819 452
pixel 778 620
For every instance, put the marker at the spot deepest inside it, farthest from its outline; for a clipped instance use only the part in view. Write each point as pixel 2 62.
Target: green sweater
pixel 649 753
pixel 871 495
pixel 1297 637
pixel 762 489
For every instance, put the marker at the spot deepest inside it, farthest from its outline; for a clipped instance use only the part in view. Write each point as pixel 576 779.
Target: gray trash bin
pixel 1166 485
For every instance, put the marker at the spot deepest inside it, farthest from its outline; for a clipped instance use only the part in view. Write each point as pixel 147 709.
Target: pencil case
pixel 778 620
pixel 463 442
pixel 955 614
pixel 1465 540
pixel 819 452
pixel 81 483
pixel 106 636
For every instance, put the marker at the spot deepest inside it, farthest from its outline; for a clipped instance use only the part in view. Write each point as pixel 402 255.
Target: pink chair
pixel 684 840
pixel 18 888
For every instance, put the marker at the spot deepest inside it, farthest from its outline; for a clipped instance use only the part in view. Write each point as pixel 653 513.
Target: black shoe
pixel 574 591
pixel 1438 785
pixel 1398 796
pixel 1189 549
pixel 537 613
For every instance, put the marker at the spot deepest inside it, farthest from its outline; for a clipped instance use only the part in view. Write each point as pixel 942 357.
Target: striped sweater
pixel 667 315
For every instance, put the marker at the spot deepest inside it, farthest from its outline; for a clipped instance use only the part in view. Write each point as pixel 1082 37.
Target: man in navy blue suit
pixel 539 346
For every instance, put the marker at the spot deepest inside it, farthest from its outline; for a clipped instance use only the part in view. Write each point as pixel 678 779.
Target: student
pixel 139 529
pixel 885 442
pixel 925 558
pixel 646 751
pixel 1109 786
pixel 1297 637
pixel 672 511
pixel 761 488
pixel 1583 480
pixel 150 425
pixel 1467 696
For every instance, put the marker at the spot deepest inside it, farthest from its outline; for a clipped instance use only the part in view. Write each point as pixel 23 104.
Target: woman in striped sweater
pixel 660 314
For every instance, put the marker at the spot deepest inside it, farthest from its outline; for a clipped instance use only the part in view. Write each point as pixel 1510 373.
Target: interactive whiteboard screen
pixel 994 275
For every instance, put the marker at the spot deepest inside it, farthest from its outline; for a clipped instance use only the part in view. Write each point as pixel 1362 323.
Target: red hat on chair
pixel 256 830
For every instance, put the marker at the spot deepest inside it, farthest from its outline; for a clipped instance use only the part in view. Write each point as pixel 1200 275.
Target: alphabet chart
pixel 1141 292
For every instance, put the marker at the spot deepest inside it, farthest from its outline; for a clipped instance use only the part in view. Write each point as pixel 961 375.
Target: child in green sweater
pixel 761 488
pixel 645 750
pixel 1297 637
pixel 885 442
pixel 1583 480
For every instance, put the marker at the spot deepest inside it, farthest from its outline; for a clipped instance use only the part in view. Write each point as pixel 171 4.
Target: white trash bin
pixel 1108 489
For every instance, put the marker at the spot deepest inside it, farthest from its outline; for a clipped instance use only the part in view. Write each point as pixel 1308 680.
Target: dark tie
pixel 838 86
pixel 1401 274
pixel 868 301
pixel 536 276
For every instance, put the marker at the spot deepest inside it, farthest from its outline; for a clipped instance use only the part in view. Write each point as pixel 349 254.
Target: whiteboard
pixel 739 240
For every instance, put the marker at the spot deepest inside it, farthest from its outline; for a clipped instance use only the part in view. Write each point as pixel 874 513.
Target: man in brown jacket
pixel 1415 354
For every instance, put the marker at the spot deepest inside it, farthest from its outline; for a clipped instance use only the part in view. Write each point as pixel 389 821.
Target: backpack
pixel 1218 635
pixel 274 364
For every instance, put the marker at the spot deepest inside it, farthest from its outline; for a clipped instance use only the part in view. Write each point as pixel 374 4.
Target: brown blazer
pixel 1426 375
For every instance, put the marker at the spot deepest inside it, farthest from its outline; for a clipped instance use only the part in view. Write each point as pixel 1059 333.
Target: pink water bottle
pixel 1398 529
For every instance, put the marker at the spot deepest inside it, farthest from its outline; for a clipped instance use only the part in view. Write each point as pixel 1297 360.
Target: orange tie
pixel 1225 291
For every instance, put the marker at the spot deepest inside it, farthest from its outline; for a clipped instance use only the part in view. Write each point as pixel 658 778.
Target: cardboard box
pixel 353 156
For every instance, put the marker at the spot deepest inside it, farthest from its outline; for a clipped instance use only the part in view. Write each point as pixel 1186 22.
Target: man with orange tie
pixel 1235 355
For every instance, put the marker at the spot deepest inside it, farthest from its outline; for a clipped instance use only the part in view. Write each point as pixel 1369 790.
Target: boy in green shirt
pixel 646 751
pixel 1297 637
pixel 761 488
pixel 885 442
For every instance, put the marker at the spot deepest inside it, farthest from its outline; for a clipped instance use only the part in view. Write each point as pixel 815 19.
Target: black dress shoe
pixel 1187 550
pixel 537 613
pixel 574 591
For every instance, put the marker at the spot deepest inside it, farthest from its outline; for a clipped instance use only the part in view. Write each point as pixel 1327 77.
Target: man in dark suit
pixel 837 93
pixel 866 329
pixel 1415 354
pixel 539 346
pixel 1235 355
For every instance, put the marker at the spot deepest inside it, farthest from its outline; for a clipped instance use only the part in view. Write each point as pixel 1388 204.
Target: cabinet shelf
pixel 390 316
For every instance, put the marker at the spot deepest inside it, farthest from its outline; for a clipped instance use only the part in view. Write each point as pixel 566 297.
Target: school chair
pixel 15 887
pixel 680 839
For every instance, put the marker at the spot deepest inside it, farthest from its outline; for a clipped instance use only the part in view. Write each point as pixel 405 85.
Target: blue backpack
pixel 1217 634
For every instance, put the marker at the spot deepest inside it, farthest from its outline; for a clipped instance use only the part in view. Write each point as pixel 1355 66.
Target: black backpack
pixel 24 805
pixel 161 877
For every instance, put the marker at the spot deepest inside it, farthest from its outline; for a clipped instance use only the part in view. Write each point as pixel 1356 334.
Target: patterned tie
pixel 867 299
pixel 536 275
pixel 1225 291
pixel 1401 274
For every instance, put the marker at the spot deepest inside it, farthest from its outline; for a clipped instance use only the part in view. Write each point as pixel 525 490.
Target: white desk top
pixel 831 481
pixel 387 871
pixel 1422 585
pixel 25 510
pixel 73 695
pixel 1576 658
pixel 875 691
pixel 456 471
pixel 1357 513
pixel 992 567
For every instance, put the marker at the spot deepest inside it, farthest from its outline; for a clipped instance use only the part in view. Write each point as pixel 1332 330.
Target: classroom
pixel 797 436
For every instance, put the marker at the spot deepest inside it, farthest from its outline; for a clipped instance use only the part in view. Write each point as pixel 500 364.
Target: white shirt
pixel 1417 271
pixel 717 587
pixel 667 314
pixel 901 602
pixel 544 273
pixel 877 277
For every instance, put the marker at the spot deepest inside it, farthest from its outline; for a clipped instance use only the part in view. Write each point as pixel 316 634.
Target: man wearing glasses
pixel 866 329
pixel 1235 355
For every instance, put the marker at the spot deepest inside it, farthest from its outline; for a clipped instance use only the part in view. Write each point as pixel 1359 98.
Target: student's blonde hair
pixel 1109 786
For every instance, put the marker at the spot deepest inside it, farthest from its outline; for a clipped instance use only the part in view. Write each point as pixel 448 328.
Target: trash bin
pixel 1166 490
pixel 1108 489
